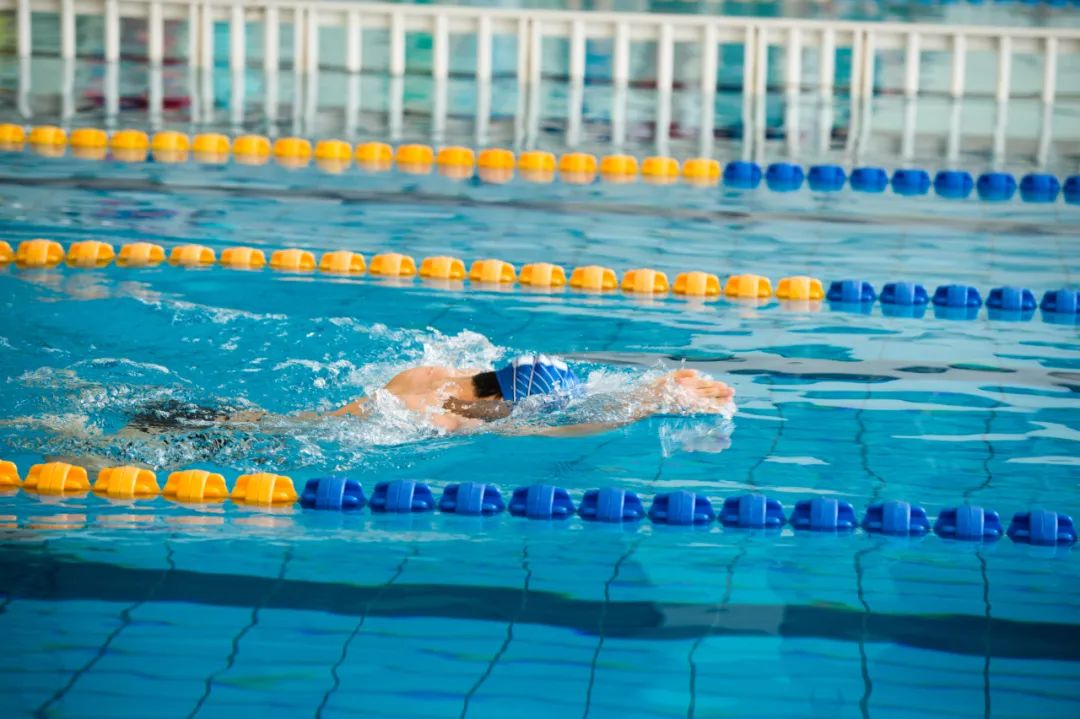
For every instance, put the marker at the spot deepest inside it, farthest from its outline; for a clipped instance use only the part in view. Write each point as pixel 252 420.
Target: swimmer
pixel 460 401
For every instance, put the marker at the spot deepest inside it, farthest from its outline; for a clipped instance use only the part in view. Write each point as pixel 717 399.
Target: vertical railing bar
pixel 959 66
pixel 483 78
pixel 912 59
pixel 354 35
pixel 577 51
pixel 857 49
pixel 827 62
pixel 397 44
pixel 1050 59
pixel 440 60
pixel 536 48
pixel 237 38
pixel 869 59
pixel 708 88
pixel 483 49
pixel 312 48
pixel 708 59
pixel 1004 74
pixel 194 55
pixel 665 59
pixel 793 62
pixel 206 49
pixel 23 33
pixel 112 31
pixel 206 44
pixel 620 61
pixel 271 38
pixel 67 28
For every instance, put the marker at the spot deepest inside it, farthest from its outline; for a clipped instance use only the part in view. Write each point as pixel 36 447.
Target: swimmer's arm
pixel 710 396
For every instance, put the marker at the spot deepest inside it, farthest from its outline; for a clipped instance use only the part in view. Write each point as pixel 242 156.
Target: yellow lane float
pixel 39 253
pixel 542 274
pixel 414 159
pixel 442 268
pixel 243 258
pixel 292 260
pixel 11 134
pixel 594 278
pixel 701 171
pixel 645 281
pixel 748 287
pixel 619 168
pixel 697 284
pixel 195 485
pixel 264 488
pixel 6 253
pixel 251 149
pixel 492 272
pixel 800 287
pixel 191 256
pixel 392 264
pixel 89 137
pixel 140 254
pixel 9 475
pixel 342 262
pixel 374 156
pixel 660 170
pixel 90 253
pixel 56 478
pixel 127 483
pixel 537 166
pixel 211 148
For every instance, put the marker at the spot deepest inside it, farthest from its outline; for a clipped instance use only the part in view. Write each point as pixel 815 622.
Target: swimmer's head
pixel 530 375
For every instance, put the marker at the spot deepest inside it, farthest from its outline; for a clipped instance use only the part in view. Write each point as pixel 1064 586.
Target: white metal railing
pixel 531 27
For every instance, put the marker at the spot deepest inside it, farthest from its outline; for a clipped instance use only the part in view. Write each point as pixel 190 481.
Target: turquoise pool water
pixel 108 608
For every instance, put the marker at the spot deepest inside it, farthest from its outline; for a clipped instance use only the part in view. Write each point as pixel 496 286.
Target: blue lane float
pixel 402 496
pixel 996 186
pixel 1016 299
pixel 851 292
pixel 869 179
pixel 541 501
pixel 333 493
pixel 742 175
pixel 1071 190
pixel 957 296
pixel 896 518
pixel 826 178
pixel 752 511
pixel 911 182
pixel 953 184
pixel 1061 302
pixel 823 514
pixel 904 294
pixel 1039 187
pixel 1042 527
pixel 784 177
pixel 611 504
pixel 968 523
pixel 472 498
pixel 683 508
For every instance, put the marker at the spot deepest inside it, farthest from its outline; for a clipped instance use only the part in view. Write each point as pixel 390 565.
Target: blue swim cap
pixel 535 374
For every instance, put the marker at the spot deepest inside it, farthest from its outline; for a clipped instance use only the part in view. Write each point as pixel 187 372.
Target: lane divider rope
pixel 898 299
pixel 498 165
pixel 547 502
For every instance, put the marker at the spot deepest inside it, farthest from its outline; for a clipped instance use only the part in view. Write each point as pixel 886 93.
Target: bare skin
pixel 447 399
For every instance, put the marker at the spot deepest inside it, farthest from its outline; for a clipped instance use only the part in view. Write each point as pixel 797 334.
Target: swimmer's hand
pixel 687 390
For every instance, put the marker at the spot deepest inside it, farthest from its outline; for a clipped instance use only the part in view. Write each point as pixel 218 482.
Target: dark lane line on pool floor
pixel 972 635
